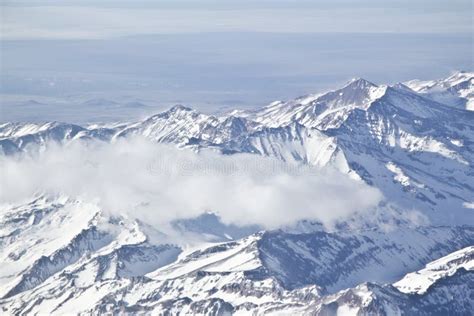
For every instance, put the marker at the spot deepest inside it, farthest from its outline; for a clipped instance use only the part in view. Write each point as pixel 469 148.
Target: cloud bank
pixel 160 183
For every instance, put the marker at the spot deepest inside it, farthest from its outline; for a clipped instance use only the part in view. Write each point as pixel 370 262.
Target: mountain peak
pixel 359 83
pixel 175 111
pixel 403 87
pixel 179 107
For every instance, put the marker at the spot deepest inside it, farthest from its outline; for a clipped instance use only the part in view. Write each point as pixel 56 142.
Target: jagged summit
pixel 173 112
pixel 402 86
pixel 359 83
pixel 322 111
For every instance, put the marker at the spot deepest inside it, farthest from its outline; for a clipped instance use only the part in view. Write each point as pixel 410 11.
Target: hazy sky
pixel 101 19
pixel 214 54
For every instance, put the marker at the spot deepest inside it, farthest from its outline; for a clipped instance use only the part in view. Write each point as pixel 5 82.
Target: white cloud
pixel 159 183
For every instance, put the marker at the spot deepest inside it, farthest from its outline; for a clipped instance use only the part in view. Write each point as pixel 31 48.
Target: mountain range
pixel 413 141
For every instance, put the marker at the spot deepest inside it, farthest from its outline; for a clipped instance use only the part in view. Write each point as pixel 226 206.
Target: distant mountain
pixel 105 103
pixel 31 103
pixel 99 102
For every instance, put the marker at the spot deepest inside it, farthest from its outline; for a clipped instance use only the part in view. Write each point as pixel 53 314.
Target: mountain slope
pixel 415 151
pixel 266 272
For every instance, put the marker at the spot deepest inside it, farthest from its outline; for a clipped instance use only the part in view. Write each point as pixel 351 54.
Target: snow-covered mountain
pixel 417 151
pixel 59 260
pixel 61 255
pixel 456 90
pixel 323 111
pixel 412 141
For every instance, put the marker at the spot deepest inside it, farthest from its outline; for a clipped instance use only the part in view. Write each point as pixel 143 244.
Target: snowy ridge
pixel 456 90
pixel 324 111
pixel 419 282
